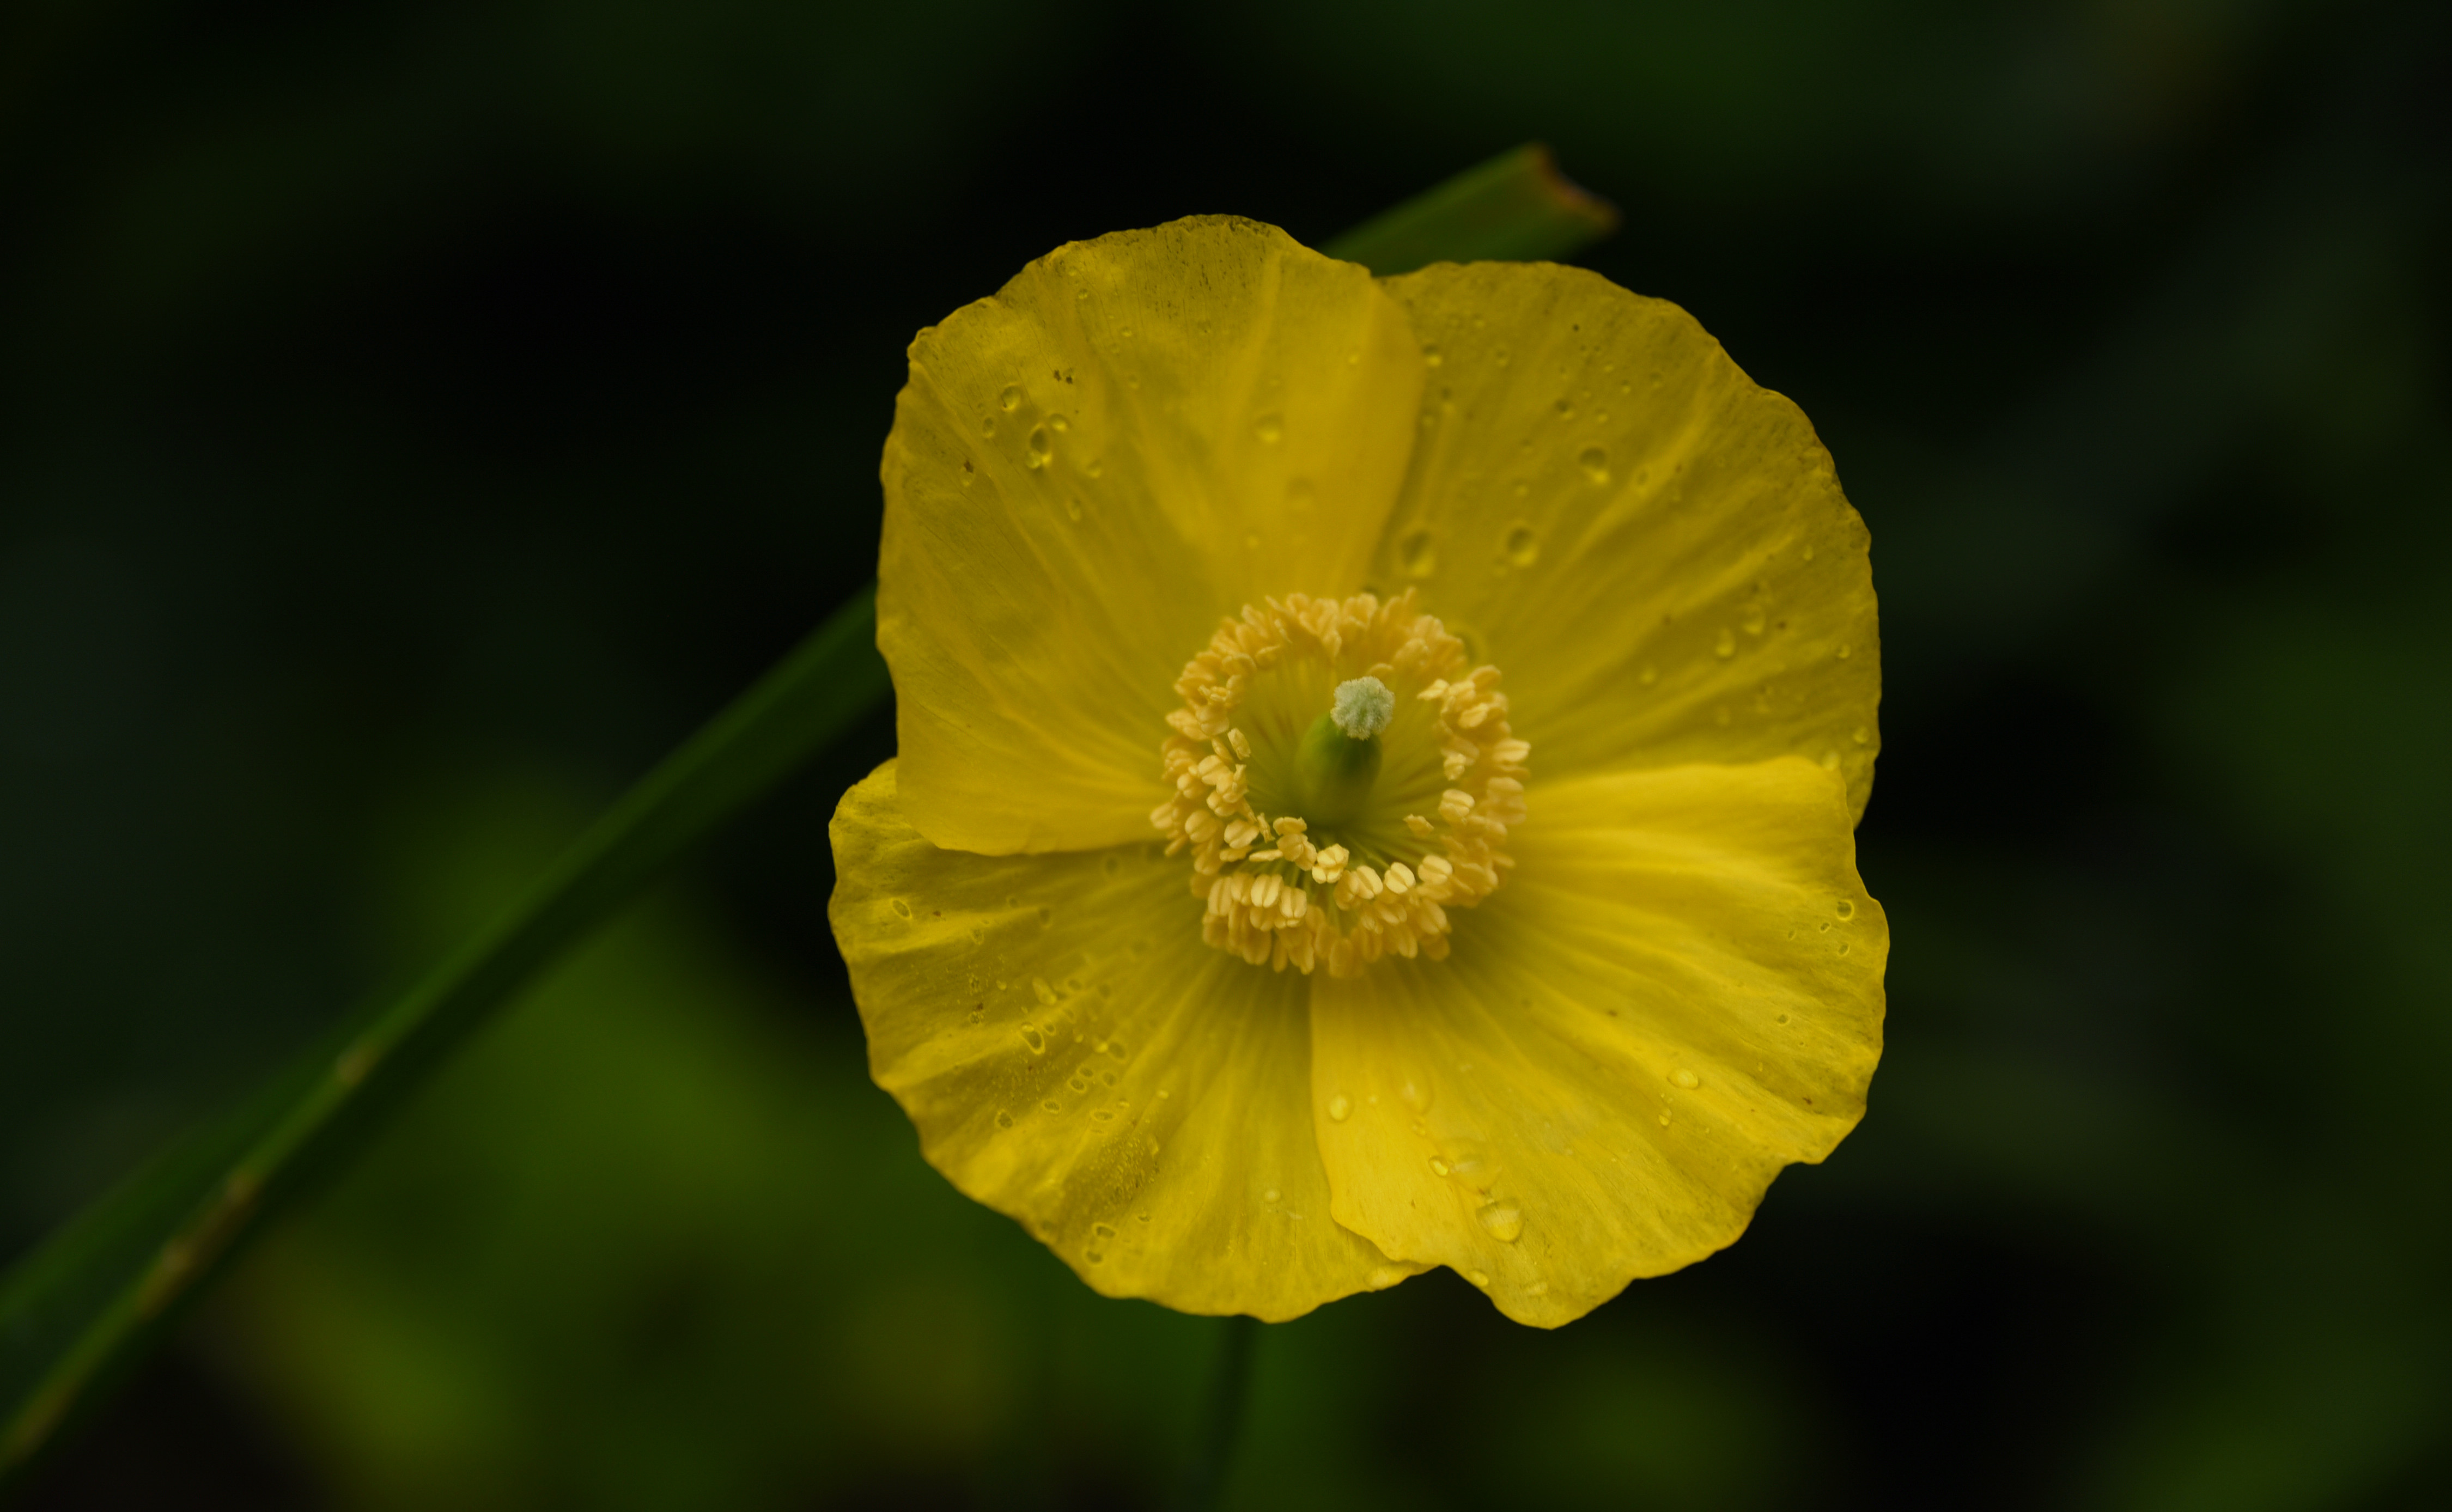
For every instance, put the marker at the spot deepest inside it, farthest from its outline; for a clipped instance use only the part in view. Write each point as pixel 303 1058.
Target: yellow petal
pixel 1653 548
pixel 1678 991
pixel 1075 1057
pixel 1136 437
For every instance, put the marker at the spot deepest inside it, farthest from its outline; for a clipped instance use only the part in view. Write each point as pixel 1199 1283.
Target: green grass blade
pixel 89 1302
pixel 1515 208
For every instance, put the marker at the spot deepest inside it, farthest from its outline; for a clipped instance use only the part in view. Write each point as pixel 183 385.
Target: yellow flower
pixel 1379 767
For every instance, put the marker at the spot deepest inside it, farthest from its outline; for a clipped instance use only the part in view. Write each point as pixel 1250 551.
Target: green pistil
pixel 1339 758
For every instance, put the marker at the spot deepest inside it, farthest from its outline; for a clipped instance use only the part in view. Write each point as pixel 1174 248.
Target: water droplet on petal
pixel 1417 552
pixel 1059 424
pixel 1846 909
pixel 1383 1278
pixel 1504 1220
pixel 1432 356
pixel 1339 1109
pixel 1416 1097
pixel 1270 427
pixel 1004 1120
pixel 1011 398
pixel 1479 1277
pixel 1271 1195
pixel 1726 646
pixel 1684 1078
pixel 1523 547
pixel 1594 462
pixel 1439 1167
pixel 1047 993
pixel 1032 1037
pixel 1040 448
pixel 902 907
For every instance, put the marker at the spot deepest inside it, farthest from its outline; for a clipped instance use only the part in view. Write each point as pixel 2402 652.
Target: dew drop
pixel 1845 652
pixel 1417 1096
pixel 1039 449
pixel 1273 1195
pixel 1047 993
pixel 1432 356
pixel 1053 1106
pixel 1417 552
pixel 1846 909
pixel 1004 1120
pixel 1439 1167
pixel 1726 646
pixel 1011 398
pixel 1504 1220
pixel 1479 1277
pixel 1664 1120
pixel 902 907
pixel 1684 1078
pixel 1270 427
pixel 1059 424
pixel 1863 735
pixel 1753 619
pixel 1073 510
pixel 1383 1278
pixel 1096 1257
pixel 1783 1018
pixel 1339 1109
pixel 1032 1037
pixel 1594 462
pixel 1523 547
pixel 987 425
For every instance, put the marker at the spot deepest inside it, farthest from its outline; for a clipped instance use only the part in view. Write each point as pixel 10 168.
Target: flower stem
pixel 83 1306
pixel 1221 1421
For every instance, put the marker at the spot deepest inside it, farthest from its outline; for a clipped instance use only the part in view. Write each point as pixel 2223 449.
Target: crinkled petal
pixel 1679 993
pixel 1073 1056
pixel 1653 547
pixel 1138 436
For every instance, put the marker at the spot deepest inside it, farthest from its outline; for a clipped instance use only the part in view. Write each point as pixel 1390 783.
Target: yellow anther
pixel 1387 876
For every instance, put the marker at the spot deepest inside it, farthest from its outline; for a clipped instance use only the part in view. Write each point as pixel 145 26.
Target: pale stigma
pixel 1363 708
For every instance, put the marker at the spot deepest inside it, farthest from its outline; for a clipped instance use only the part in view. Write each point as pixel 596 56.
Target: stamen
pixel 1350 870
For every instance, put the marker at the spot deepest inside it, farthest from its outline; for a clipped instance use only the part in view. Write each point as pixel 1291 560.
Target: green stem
pixel 1222 1414
pixel 92 1298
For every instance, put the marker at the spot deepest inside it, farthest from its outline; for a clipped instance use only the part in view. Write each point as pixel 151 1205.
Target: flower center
pixel 1341 781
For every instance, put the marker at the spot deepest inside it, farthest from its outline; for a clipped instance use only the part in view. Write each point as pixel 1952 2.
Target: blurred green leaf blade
pixel 87 1305
pixel 1515 208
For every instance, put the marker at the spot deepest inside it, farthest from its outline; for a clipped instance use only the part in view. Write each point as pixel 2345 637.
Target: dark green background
pixel 414 420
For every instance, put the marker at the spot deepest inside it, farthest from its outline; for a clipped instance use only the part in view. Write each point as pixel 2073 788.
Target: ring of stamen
pixel 1379 876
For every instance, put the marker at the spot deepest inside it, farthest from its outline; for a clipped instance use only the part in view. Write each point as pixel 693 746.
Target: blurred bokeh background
pixel 416 417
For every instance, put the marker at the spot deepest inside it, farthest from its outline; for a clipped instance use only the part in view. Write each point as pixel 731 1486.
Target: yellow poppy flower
pixel 1378 768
